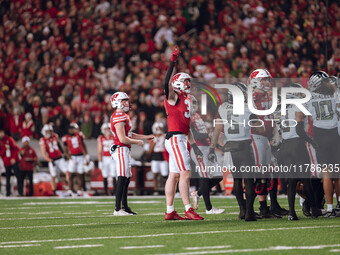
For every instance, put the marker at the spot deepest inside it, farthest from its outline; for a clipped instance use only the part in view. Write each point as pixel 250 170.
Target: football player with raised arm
pixel 177 106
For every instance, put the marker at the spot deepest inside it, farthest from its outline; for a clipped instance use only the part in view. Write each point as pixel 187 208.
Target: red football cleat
pixel 173 216
pixel 192 215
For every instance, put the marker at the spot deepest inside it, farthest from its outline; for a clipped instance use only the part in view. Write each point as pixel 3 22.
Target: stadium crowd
pixel 62 60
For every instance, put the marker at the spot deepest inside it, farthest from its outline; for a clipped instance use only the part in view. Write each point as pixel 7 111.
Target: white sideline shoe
pixel 214 211
pixel 121 212
pixel 195 198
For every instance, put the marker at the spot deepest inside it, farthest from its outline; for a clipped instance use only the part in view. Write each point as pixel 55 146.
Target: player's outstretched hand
pixel 175 54
pixel 150 137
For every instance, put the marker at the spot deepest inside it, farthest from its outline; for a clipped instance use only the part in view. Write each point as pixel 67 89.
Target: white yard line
pixel 166 234
pixel 274 248
pixel 141 247
pixel 89 224
pixel 53 207
pixel 78 246
pixel 52 218
pixel 335 250
pixel 19 246
pixel 72 213
pixel 207 247
pixel 90 202
pixel 27 213
pixel 56 212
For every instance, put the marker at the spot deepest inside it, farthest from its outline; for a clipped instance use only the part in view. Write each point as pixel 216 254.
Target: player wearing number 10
pixel 177 106
pixel 325 122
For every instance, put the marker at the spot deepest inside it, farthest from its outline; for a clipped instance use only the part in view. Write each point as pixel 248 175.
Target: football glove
pixel 175 54
pixel 212 156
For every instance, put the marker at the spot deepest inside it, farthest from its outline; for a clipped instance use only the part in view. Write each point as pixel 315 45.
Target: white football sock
pixel 329 207
pixel 170 208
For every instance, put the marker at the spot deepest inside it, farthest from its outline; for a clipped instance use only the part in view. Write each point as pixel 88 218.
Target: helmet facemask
pixel 181 82
pixel 117 101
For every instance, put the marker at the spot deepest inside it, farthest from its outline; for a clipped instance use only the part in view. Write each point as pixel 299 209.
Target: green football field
pixel 87 226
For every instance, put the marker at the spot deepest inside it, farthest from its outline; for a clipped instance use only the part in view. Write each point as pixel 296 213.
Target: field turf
pixel 87 226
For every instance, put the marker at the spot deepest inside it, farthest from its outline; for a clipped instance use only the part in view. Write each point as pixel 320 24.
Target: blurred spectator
pixel 85 51
pixel 27 126
pixel 143 125
pixel 86 125
pixel 16 120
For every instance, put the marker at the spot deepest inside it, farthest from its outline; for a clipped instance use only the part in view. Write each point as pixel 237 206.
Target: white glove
pixel 100 165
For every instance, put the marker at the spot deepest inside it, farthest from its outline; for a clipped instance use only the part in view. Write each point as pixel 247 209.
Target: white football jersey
pixel 288 131
pixel 237 128
pixel 323 110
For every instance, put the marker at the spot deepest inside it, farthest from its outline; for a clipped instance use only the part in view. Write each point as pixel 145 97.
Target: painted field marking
pixel 19 246
pixel 90 202
pixel 274 248
pixel 207 247
pixel 165 234
pixel 52 207
pixel 27 213
pixel 53 218
pixel 78 246
pixel 71 213
pixel 89 224
pixel 141 247
pixel 335 250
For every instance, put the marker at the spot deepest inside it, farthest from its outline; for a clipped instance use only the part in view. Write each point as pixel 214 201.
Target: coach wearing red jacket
pixel 28 159
pixel 9 153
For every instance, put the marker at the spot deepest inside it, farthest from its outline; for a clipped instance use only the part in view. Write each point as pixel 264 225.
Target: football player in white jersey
pixel 208 179
pixel 238 136
pixel 293 151
pixel 325 122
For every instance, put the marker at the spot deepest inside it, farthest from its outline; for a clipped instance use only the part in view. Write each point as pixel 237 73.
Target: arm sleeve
pixel 167 78
pixel 302 133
